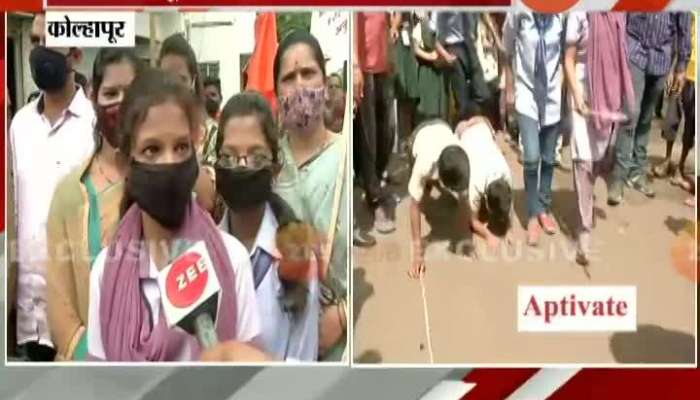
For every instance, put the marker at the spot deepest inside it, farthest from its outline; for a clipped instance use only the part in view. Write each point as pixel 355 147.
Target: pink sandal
pixel 547 223
pixel 533 232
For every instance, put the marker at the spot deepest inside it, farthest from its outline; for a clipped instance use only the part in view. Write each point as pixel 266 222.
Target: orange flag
pixel 260 67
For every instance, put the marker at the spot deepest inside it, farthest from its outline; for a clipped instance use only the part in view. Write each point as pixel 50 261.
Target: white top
pixel 577 34
pixel 486 161
pixel 431 139
pixel 42 154
pixel 520 39
pixel 282 336
pixel 248 318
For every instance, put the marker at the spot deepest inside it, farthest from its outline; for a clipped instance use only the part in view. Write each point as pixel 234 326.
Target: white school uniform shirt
pixel 247 315
pixel 42 154
pixel 520 39
pixel 486 162
pixel 282 336
pixel 431 139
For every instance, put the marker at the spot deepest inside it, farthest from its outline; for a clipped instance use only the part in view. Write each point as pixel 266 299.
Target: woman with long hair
pixel 533 43
pixel 313 176
pixel 287 290
pixel 178 58
pixel 159 121
pixel 600 84
pixel 85 208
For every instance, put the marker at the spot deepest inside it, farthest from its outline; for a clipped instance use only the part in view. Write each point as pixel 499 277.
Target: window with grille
pixel 209 70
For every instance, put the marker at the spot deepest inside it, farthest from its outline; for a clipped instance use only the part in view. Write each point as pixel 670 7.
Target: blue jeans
pixel 633 139
pixel 539 147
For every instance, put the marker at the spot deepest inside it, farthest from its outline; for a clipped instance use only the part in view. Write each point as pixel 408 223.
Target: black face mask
pixel 212 106
pixel 163 191
pixel 49 69
pixel 244 188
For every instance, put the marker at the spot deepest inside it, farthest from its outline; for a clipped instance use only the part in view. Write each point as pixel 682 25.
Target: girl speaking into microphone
pixel 160 120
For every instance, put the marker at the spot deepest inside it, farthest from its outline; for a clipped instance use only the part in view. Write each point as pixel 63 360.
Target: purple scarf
pixel 125 319
pixel 609 78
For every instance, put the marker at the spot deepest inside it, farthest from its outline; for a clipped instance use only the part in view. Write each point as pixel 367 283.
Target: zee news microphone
pixel 190 292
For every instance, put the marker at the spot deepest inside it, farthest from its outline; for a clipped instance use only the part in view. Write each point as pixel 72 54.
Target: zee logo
pixel 186 280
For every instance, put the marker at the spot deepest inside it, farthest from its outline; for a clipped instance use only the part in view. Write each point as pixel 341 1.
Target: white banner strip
pixel 577 309
pixel 90 29
pixel 448 390
pixel 544 383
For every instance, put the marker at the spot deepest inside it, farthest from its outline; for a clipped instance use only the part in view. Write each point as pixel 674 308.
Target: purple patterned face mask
pixel 302 110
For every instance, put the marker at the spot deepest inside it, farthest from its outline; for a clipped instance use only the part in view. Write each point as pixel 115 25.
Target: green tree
pixel 289 21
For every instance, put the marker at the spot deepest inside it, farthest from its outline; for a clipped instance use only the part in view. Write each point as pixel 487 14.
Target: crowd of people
pixel 136 157
pixel 448 84
pixel 114 178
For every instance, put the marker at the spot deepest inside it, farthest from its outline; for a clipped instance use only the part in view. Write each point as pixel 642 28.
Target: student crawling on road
pixel 467 165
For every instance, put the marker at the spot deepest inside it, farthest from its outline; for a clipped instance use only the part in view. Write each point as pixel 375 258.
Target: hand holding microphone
pixel 190 298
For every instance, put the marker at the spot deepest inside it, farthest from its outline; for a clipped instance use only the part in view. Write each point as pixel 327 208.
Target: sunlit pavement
pixel 472 303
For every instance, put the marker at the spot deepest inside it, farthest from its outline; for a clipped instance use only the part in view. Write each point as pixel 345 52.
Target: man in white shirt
pixel 489 178
pixel 437 159
pixel 469 165
pixel 48 138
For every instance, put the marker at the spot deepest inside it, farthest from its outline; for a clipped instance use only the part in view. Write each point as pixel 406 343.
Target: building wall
pixel 224 44
pixel 331 29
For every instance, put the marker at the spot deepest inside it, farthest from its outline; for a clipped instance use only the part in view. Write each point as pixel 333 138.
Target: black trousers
pixel 467 81
pixel 681 108
pixel 375 139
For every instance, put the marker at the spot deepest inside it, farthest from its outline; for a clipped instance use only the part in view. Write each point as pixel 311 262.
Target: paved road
pixel 472 303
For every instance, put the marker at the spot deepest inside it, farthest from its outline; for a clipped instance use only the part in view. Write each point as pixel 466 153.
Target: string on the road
pixel 426 318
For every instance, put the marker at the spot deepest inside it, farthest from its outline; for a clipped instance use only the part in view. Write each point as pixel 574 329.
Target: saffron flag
pixel 260 67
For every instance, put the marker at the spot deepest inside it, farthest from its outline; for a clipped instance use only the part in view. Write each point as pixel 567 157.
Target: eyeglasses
pixel 255 160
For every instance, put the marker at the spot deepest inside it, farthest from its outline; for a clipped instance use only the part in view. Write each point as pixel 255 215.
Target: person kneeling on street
pixel 437 159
